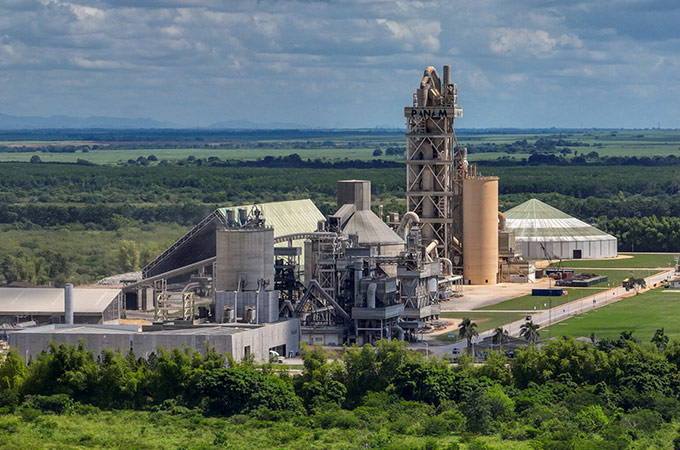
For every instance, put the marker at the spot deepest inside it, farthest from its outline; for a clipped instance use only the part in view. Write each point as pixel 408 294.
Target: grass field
pixel 189 430
pixel 643 314
pixel 530 302
pixel 639 260
pixel 117 156
pixel 605 143
pixel 484 320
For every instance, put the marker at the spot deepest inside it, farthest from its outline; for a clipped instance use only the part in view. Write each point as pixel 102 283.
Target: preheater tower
pixel 433 185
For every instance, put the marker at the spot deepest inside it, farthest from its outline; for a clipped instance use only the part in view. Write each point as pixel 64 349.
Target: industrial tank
pixel 244 255
pixel 480 230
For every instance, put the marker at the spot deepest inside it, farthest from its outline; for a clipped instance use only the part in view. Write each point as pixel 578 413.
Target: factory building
pixel 48 306
pixel 544 232
pixel 238 340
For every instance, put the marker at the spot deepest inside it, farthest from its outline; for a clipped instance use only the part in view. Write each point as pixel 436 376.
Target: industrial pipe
pixel 431 246
pixel 370 295
pixel 405 221
pixel 400 332
pixel 431 77
pixel 501 222
pixel 447 262
pixel 68 304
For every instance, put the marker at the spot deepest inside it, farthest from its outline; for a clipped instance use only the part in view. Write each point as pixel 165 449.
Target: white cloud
pixel 536 42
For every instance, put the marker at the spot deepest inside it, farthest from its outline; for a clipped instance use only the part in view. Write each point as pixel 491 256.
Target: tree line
pixel 567 394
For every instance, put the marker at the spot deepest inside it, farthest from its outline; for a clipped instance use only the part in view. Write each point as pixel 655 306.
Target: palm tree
pixel 529 331
pixel 467 329
pixel 660 339
pixel 500 337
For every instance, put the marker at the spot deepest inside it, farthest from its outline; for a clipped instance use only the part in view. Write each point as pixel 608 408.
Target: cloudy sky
pixel 346 63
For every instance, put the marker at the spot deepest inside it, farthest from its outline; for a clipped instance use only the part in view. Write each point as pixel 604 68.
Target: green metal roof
pixel 287 217
pixel 535 220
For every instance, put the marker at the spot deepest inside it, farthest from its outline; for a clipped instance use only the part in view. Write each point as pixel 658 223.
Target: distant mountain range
pixel 248 125
pixel 9 122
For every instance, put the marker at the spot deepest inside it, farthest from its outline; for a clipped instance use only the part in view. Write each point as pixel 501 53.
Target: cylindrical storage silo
pixel 244 256
pixel 480 230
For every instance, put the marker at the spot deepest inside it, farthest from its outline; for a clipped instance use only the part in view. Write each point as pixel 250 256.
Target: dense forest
pixel 630 195
pixel 614 394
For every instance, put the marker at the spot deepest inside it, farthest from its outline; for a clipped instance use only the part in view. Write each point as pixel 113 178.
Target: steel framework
pixel 435 167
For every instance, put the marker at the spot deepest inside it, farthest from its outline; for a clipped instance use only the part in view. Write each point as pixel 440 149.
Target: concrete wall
pixel 260 339
pixel 590 249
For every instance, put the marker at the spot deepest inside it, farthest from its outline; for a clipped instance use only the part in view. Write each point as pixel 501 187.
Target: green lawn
pixel 484 320
pixel 639 260
pixel 528 302
pixel 643 314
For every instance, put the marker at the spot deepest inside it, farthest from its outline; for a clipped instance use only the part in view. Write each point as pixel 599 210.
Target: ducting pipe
pixel 431 247
pixel 68 304
pixel 448 264
pixel 400 332
pixel 405 221
pixel 501 222
pixel 447 75
pixel 242 216
pixel 431 77
pixel 370 295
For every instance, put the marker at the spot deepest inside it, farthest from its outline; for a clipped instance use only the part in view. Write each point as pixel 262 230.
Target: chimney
pixel 68 304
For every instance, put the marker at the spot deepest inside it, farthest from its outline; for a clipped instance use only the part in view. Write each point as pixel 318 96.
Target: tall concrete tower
pixel 435 166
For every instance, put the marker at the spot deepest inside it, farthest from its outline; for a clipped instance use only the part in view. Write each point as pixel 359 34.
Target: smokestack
pixel 447 76
pixel 68 304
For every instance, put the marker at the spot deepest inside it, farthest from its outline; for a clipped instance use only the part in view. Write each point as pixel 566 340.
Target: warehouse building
pixel 544 232
pixel 238 340
pixel 46 305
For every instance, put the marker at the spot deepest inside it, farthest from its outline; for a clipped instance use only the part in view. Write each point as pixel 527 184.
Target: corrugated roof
pixel 535 220
pixel 51 300
pixel 288 217
pixel 370 229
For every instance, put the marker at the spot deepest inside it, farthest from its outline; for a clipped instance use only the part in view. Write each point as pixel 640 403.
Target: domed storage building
pixel 538 225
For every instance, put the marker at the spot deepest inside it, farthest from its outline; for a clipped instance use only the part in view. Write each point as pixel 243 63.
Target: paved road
pixel 551 316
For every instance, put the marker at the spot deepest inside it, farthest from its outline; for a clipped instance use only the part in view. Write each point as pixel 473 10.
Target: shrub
pixel 591 419
pixel 56 403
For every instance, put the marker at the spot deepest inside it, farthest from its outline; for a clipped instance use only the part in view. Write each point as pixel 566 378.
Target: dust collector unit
pixel 480 230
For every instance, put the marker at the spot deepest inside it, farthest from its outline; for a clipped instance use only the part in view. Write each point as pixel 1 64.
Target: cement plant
pixel 256 281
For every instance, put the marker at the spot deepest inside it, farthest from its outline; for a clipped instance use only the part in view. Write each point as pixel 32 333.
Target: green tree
pixel 500 337
pixel 467 329
pixel 660 340
pixel 529 331
pixel 320 384
pixel 128 256
pixel 12 371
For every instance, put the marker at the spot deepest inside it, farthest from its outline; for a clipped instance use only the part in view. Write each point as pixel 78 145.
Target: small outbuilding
pixel 542 231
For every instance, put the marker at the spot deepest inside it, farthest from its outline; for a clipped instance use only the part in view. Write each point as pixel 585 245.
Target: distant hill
pixel 9 122
pixel 248 125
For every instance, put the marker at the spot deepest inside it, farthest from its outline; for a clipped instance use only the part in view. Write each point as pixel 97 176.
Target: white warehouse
pixel 539 228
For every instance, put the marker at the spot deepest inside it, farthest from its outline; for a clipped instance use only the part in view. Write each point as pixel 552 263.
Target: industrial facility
pixel 544 232
pixel 254 279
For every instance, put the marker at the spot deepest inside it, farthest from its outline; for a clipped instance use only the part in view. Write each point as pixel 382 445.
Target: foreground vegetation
pixel 617 394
